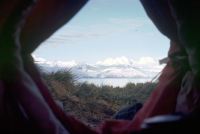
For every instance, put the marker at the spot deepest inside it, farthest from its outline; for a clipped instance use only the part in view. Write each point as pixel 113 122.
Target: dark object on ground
pixel 128 112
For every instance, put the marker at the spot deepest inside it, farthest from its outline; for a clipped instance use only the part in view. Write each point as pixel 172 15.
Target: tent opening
pixel 106 57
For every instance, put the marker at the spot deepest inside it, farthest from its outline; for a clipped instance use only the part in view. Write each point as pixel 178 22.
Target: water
pixel 121 82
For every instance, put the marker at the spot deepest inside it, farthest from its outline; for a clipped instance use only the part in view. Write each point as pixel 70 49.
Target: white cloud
pixel 38 59
pixel 58 63
pixel 109 67
pixel 68 64
pixel 114 61
pixel 126 61
pixel 145 63
pixel 148 64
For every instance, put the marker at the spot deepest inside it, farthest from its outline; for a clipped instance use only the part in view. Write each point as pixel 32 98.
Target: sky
pixel 103 30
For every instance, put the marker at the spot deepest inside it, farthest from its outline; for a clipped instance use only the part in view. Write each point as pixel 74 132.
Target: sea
pixel 115 82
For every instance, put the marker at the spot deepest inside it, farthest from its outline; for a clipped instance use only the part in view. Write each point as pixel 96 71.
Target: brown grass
pixel 90 103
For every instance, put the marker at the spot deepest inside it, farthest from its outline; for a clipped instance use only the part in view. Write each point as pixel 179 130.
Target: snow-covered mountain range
pixel 121 67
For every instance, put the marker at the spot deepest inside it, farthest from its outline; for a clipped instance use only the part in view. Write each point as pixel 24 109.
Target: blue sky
pixel 106 29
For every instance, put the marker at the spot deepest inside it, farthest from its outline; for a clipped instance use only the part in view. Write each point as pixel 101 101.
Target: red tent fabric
pixel 25 103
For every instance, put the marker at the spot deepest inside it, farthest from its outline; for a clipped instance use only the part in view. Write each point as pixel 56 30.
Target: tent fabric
pixel 45 17
pixel 159 102
pixel 160 14
pixel 24 109
pixel 26 105
pixel 187 17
